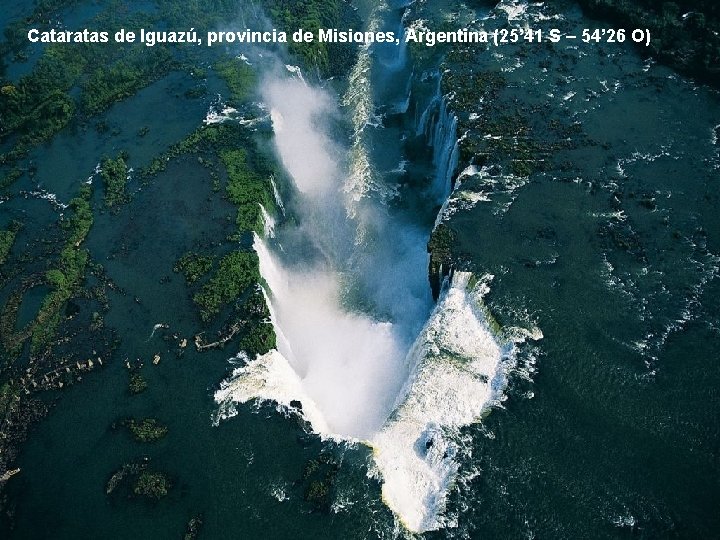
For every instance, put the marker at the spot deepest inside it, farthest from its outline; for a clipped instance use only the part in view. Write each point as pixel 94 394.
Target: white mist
pixel 359 343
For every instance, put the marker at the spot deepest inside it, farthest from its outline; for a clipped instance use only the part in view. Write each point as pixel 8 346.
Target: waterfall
pixel 457 368
pixel 438 125
pixel 445 151
pixel 359 343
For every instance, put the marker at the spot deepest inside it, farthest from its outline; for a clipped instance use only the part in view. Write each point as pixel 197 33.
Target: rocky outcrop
pixel 440 266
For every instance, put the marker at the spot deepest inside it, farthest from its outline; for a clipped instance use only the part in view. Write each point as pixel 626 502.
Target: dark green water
pixel 609 427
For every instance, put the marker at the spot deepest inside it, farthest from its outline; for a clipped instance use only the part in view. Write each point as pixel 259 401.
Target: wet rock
pixel 193 528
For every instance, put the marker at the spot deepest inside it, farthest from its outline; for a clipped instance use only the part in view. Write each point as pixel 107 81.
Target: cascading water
pixel 359 343
pixel 439 127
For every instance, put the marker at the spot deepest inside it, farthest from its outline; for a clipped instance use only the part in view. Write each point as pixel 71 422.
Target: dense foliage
pixel 247 189
pixel 70 82
pixel 114 176
pixel 193 266
pixel 154 485
pixel 68 274
pixel 239 77
pixel 330 59
pixel 236 272
pixel 146 430
pixel 7 239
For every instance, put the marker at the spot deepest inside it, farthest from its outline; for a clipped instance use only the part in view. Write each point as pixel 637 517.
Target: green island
pixel 7 239
pixel 137 383
pixel 146 430
pixel 114 176
pixel 153 485
pixel 193 266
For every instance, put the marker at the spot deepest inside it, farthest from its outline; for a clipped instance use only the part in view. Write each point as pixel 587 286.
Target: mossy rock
pixel 318 494
pixel 153 485
pixel 318 481
pixel 440 246
pixel 137 383
pixel 146 430
pixel 193 266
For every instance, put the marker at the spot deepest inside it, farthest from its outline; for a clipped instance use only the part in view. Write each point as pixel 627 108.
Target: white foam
pixel 457 374
pixel 219 112
pixel 279 492
pixel 513 9
pixel 348 365
pixel 276 195
pixel 458 371
pixel 268 377
pixel 52 198
pixel 268 223
pixel 295 70
pixel 351 370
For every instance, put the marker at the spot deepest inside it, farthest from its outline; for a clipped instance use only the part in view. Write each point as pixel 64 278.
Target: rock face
pixel 8 474
pixel 439 248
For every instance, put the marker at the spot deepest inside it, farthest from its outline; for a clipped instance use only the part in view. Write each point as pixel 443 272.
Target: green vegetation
pixel 153 485
pixel 261 337
pixel 469 90
pixel 37 106
pixel 512 143
pixel 80 224
pixel 330 59
pixel 106 85
pixel 247 189
pixel 518 139
pixel 8 393
pixel 248 175
pixel 146 430
pixel 15 32
pixel 137 383
pixel 193 266
pixel 236 272
pixel 67 275
pixel 10 340
pixel 318 494
pixel 239 77
pixel 43 102
pixel 114 176
pixel 205 139
pixel 7 239
pixel 515 144
pixel 236 276
pixel 124 473
pixel 193 528
pixel 318 479
pixel 73 83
